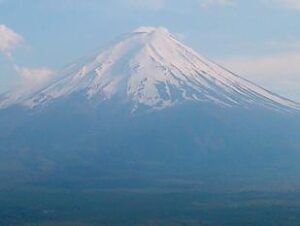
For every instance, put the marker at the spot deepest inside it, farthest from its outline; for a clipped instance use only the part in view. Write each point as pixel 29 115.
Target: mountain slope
pixel 149 67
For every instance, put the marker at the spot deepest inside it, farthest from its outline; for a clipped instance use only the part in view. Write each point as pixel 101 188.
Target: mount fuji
pixel 150 68
pixel 148 111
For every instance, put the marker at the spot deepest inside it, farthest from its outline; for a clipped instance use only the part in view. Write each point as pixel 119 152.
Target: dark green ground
pixel 124 208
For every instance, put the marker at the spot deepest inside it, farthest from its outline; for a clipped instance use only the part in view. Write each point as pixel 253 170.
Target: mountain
pixel 150 68
pixel 149 111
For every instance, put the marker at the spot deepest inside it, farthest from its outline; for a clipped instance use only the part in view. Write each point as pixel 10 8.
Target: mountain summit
pixel 150 67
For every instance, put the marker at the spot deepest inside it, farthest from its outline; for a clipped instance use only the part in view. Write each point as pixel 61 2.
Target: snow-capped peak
pixel 150 30
pixel 150 67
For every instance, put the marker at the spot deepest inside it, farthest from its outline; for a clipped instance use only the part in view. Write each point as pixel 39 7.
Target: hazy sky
pixel 259 39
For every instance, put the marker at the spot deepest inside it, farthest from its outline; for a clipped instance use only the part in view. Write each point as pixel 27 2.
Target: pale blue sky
pixel 259 39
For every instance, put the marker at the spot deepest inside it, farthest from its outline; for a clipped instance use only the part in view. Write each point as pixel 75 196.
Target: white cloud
pixel 9 40
pixel 149 4
pixel 293 4
pixel 287 45
pixel 210 3
pixel 31 80
pixel 96 4
pixel 290 4
pixel 29 77
pixel 279 72
pixel 33 77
